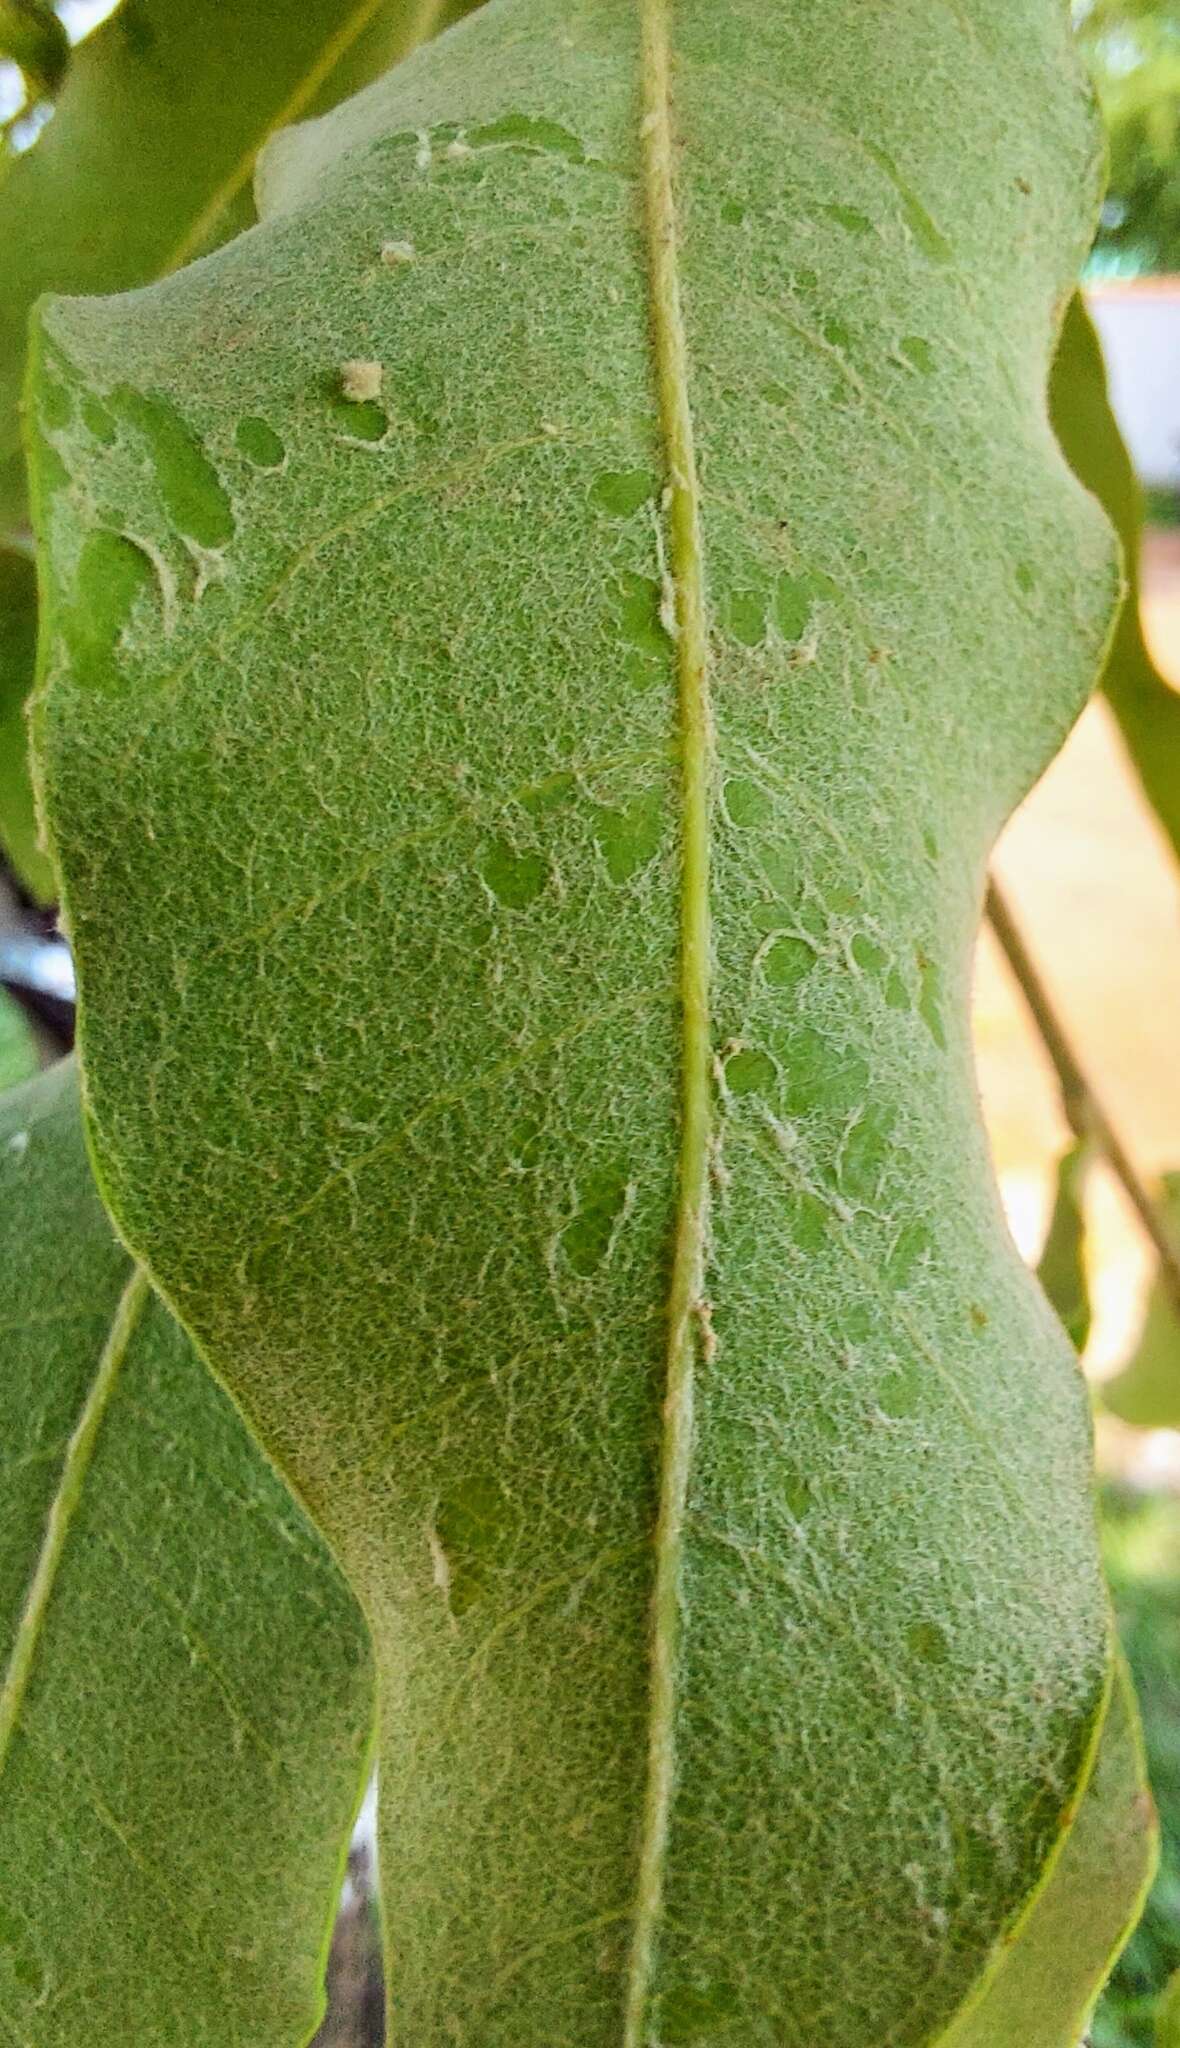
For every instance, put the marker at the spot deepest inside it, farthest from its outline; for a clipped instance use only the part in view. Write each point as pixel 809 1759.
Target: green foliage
pixel 1062 1270
pixel 1147 1390
pixel 465 882
pixel 18 639
pixel 1132 48
pixel 186 1697
pixel 18 1050
pixel 1146 707
pixel 32 37
pixel 1142 1545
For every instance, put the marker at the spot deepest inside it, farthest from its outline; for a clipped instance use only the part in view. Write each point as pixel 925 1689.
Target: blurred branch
pixel 1083 1108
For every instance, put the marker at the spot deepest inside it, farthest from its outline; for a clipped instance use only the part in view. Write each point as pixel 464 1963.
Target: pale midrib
pixel 422 24
pixel 686 1308
pixel 75 1468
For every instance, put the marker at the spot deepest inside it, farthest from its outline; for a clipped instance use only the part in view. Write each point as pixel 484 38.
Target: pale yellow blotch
pixel 361 380
pixel 395 254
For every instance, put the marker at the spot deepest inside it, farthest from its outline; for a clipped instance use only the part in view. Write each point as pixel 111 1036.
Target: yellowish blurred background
pixel 1098 898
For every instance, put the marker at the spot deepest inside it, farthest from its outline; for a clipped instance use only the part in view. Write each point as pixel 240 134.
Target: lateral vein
pixel 686 1308
pixel 75 1467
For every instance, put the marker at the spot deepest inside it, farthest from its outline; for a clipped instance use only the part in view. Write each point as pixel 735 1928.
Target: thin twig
pixel 1084 1111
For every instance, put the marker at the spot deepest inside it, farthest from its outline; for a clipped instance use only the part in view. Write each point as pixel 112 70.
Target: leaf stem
pixel 686 1305
pixel 1083 1107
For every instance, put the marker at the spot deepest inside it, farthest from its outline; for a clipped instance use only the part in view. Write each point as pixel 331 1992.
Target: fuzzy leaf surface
pixel 715 1480
pixel 1046 1986
pixel 185 1685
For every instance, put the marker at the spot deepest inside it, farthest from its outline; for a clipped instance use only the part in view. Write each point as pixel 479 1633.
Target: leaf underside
pixel 185 1687
pixel 375 745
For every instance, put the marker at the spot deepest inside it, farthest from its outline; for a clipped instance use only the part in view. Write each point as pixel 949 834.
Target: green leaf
pixel 1167 2022
pixel 18 1048
pixel 1145 705
pixel 1045 1987
pixel 32 37
pixel 185 1689
pixel 523 728
pixel 1147 1390
pixel 18 639
pixel 1062 1270
pixel 149 156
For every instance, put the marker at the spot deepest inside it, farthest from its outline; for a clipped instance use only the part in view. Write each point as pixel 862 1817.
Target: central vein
pixel 687 1313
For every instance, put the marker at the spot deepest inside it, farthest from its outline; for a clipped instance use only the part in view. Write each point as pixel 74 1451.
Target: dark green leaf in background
pixel 1062 1268
pixel 1147 1390
pixel 185 1689
pixel 1145 705
pixel 18 640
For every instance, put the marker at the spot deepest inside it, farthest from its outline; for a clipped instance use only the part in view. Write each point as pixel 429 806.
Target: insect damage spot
pixel 471 1529
pixel 602 1203
pixel 112 572
pixel 927 1641
pixel 744 616
pixel 515 879
pixel 918 353
pixel 259 443
pixel 787 961
pixel 622 492
pixel 189 485
pixel 528 132
pixel 930 239
pixel 692 2013
pixel 640 619
pixel 746 804
pixel 630 837
pixel 911 1249
pixel 930 1002
pixel 97 420
pixel 850 218
pixel 749 1072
